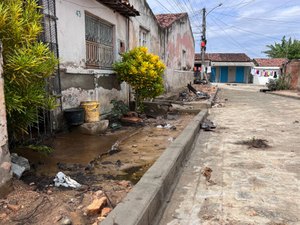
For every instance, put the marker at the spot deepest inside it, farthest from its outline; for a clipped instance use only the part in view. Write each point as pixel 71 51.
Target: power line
pixel 251 18
pixel 231 38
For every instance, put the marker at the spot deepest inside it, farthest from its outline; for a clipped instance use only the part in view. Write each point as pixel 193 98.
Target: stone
pixel 125 183
pixel 94 128
pixel 105 211
pixel 96 205
pixel 3 216
pixel 99 193
pixel 21 161
pixel 19 165
pixel 66 221
pixel 13 207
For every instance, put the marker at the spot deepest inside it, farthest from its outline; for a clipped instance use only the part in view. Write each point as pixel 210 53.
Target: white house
pixel 92 34
pixel 266 69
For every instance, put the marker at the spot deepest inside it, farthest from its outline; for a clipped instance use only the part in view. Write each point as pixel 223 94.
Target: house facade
pixel 178 49
pixel 92 35
pixel 265 69
pixel 226 67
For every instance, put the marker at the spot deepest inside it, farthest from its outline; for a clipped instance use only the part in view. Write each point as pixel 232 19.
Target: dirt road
pixel 247 171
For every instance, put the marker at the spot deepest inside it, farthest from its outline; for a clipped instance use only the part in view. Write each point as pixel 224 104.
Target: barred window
pixel 99 42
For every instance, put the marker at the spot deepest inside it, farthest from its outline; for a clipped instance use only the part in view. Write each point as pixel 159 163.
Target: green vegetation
pixel 143 71
pixel 282 83
pixel 286 49
pixel 27 63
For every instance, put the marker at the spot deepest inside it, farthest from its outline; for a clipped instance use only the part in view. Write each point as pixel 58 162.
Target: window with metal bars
pixel 99 36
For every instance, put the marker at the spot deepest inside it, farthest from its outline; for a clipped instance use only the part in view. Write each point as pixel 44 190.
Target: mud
pixel 87 160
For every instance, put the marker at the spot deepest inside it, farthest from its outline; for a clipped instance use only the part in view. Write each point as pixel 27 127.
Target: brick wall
pixel 293 68
pixel 5 165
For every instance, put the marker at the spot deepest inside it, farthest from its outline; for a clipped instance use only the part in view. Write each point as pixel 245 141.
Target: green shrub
pixel 282 83
pixel 26 63
pixel 143 71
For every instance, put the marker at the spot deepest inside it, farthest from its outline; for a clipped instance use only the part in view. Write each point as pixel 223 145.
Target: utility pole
pixel 203 43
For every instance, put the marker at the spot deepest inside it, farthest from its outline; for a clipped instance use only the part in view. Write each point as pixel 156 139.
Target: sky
pixel 238 26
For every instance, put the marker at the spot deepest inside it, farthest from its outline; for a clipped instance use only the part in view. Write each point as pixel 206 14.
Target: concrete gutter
pixel 294 96
pixel 145 203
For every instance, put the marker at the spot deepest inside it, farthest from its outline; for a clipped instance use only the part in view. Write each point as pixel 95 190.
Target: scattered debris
pixel 207 173
pixel 264 90
pixel 94 128
pixel 96 206
pixel 66 221
pixel 208 125
pixel 255 143
pixel 105 211
pixel 170 139
pixel 115 126
pixel 114 148
pixel 166 126
pixel 63 180
pixel 133 120
pixel 19 165
pixel 199 94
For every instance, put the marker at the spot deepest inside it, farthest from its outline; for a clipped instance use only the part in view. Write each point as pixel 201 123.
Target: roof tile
pixel 267 62
pixel 224 57
pixel 166 20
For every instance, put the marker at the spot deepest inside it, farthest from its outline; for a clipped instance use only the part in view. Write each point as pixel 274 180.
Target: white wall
pixel 148 21
pixel 71 29
pixel 258 79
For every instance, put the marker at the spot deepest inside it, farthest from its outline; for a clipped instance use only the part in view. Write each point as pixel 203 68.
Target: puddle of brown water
pixel 70 148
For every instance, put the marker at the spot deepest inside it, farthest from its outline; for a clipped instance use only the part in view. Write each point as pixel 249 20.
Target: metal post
pixel 203 43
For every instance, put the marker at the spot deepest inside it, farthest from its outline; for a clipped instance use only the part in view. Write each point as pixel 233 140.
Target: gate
pixel 44 127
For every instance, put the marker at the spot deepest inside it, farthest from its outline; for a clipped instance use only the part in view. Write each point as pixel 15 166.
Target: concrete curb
pixel 283 95
pixel 144 204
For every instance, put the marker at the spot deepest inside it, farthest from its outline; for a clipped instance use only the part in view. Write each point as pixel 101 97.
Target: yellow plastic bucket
pixel 91 109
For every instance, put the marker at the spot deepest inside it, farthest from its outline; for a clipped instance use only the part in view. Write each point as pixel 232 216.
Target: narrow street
pixel 250 184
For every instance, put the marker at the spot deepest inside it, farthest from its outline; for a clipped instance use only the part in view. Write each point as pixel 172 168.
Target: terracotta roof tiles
pixel 166 20
pixel 267 62
pixel 224 57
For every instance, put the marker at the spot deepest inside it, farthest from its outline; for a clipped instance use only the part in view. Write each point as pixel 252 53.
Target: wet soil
pixel 36 201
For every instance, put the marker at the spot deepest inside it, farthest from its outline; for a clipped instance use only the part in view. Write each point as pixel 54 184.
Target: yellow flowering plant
pixel 143 71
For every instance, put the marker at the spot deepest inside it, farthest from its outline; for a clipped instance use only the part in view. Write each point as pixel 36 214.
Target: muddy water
pixel 71 148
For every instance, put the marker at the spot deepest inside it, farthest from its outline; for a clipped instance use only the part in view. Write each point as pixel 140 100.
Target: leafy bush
pixel 118 110
pixel 26 63
pixel 143 71
pixel 282 83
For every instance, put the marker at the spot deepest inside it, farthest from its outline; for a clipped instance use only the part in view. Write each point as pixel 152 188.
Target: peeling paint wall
pixel 92 88
pixel 5 164
pixel 81 84
pixel 77 82
pixel 180 53
pixel 147 21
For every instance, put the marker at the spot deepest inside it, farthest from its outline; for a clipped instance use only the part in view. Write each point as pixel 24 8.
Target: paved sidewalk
pixel 287 93
pixel 248 186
